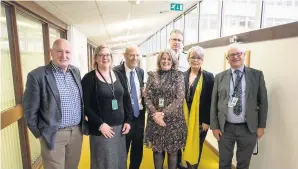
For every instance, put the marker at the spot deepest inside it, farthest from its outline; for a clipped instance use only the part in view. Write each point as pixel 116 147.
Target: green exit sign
pixel 176 7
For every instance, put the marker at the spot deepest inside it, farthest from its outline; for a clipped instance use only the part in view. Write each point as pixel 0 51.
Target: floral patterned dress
pixel 168 85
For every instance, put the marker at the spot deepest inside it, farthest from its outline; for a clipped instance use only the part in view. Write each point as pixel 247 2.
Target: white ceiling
pixel 116 23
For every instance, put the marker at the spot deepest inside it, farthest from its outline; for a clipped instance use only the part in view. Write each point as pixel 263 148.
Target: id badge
pixel 233 102
pixel 114 104
pixel 161 102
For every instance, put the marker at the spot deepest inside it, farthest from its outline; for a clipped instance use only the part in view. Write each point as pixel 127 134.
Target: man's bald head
pixel 61 53
pixel 132 56
pixel 59 42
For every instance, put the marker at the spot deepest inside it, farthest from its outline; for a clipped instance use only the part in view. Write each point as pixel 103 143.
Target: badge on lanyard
pixel 161 102
pixel 233 102
pixel 114 104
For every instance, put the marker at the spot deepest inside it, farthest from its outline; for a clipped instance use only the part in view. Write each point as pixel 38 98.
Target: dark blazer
pixel 140 73
pixel 42 105
pixel 205 98
pixel 255 95
pixel 92 110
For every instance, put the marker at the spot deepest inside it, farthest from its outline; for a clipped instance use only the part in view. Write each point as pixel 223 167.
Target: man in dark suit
pixel 238 109
pixel 53 109
pixel 134 77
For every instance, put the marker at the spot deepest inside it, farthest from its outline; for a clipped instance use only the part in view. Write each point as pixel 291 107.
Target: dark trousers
pixel 203 135
pixel 134 141
pixel 245 140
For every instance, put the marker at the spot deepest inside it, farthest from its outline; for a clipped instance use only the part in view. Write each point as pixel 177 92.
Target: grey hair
pixel 235 46
pixel 197 50
pixel 176 31
pixel 172 55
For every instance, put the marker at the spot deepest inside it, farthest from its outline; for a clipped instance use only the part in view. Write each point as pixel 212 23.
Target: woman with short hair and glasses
pixel 198 92
pixel 107 105
pixel 164 95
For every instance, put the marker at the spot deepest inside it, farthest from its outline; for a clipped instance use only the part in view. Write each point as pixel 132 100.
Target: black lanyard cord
pixel 236 87
pixel 112 89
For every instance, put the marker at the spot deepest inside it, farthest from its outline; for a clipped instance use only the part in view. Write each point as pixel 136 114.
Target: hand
pixel 216 134
pixel 158 115
pixel 126 128
pixel 205 126
pixel 260 132
pixel 160 122
pixel 143 91
pixel 106 130
pixel 158 118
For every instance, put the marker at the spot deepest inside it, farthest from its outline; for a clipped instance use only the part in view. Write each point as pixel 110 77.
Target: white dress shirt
pixel 137 84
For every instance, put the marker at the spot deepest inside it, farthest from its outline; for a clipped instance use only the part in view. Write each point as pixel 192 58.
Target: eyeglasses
pixel 235 54
pixel 178 40
pixel 196 57
pixel 102 55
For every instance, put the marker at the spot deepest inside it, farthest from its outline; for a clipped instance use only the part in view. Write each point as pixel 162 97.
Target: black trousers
pixel 203 135
pixel 134 141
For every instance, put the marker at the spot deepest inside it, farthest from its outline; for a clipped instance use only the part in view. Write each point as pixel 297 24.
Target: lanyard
pixel 112 89
pixel 235 87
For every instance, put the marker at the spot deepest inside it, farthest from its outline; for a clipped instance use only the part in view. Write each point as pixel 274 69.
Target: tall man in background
pixel 176 44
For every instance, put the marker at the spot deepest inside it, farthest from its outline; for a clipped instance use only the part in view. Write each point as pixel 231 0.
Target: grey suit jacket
pixel 42 105
pixel 255 95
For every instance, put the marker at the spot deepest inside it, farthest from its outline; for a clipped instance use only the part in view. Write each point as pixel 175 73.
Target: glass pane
pixel 147 46
pixel 154 43
pixel 163 39
pixel 279 12
pixel 179 24
pixel 7 95
pixel 54 34
pixel 10 147
pixel 169 29
pixel 209 20
pixel 32 56
pixel 191 27
pixel 158 41
pixel 150 45
pixel 240 16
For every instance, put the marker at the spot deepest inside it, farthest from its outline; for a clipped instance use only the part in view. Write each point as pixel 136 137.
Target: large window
pixel 240 16
pixel 11 156
pixel 158 41
pixel 7 87
pixel 154 43
pixel 169 30
pixel 277 12
pixel 54 35
pixel 179 23
pixel 163 38
pixel 150 45
pixel 32 56
pixel 191 27
pixel 209 20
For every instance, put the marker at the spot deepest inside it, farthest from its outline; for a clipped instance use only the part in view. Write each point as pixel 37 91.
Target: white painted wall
pixel 78 42
pixel 278 60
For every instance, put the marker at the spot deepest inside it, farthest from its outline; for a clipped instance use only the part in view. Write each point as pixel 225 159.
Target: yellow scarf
pixel 192 147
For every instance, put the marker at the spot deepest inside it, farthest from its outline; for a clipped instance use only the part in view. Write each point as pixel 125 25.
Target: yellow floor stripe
pixel 209 159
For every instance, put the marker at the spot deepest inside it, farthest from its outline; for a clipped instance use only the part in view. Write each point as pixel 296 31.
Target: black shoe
pixel 180 166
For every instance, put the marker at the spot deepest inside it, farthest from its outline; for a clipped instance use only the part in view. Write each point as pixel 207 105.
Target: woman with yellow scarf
pixel 198 91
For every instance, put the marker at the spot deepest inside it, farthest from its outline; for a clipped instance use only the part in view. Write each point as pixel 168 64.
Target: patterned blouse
pixel 167 85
